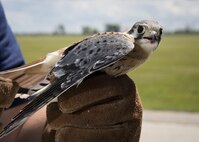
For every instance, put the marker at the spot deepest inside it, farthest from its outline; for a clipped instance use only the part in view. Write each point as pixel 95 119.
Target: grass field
pixel 168 81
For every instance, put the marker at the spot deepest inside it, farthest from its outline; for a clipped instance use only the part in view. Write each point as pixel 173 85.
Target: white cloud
pixel 45 15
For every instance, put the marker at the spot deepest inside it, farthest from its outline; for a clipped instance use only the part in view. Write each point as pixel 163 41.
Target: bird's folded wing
pixel 29 75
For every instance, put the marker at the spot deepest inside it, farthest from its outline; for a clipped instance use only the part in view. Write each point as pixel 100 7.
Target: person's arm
pixel 10 57
pixel 10 54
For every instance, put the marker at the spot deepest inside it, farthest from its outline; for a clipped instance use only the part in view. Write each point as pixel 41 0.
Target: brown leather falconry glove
pixel 101 109
pixel 8 89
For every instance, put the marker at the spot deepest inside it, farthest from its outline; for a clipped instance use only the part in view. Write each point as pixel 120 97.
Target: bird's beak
pixel 153 37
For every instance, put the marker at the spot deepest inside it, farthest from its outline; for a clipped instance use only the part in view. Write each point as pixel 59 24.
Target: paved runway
pixel 164 126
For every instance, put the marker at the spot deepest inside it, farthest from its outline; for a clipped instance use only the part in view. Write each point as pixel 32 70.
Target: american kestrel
pixel 114 53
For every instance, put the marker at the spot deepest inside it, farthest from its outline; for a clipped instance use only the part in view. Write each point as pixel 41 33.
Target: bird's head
pixel 147 34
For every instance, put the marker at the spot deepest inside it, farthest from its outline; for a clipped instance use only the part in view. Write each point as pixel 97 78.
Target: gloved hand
pixel 8 89
pixel 101 109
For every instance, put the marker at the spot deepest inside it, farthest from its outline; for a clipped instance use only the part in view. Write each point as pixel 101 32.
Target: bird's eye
pixel 140 29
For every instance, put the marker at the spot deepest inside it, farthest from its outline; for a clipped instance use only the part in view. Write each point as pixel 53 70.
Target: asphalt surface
pixel 164 126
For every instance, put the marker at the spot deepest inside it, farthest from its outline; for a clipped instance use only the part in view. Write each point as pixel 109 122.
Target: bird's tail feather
pixel 44 97
pixel 21 68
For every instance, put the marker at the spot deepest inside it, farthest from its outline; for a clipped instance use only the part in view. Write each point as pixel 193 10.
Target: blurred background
pixel 168 81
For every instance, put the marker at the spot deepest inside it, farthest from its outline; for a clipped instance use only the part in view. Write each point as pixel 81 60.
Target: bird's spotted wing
pixel 86 57
pixel 91 55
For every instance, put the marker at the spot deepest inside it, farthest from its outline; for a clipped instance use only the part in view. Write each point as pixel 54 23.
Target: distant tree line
pixel 108 28
pixel 59 30
pixel 87 30
pixel 111 27
pixel 186 30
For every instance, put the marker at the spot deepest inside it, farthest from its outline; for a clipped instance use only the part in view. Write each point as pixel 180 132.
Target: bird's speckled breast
pixel 129 62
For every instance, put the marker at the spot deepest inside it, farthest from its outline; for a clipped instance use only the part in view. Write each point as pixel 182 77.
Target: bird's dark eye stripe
pixel 131 31
pixel 160 31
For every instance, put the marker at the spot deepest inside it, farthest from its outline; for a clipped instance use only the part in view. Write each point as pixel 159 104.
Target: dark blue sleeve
pixel 10 54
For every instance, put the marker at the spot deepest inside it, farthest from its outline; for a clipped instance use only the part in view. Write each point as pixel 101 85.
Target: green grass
pixel 34 47
pixel 168 81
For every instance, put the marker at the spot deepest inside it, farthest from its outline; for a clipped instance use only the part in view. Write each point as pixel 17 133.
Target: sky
pixel 27 16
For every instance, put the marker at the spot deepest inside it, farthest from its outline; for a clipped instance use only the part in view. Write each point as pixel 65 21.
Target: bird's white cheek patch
pixel 147 45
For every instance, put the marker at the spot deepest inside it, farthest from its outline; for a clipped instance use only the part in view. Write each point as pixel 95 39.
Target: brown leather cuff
pixel 8 90
pixel 100 109
pixel 95 90
pixel 1 111
pixel 101 115
pixel 125 132
pixel 48 134
pixel 1 125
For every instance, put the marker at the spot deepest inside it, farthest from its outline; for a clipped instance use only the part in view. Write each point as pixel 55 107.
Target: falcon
pixel 113 53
